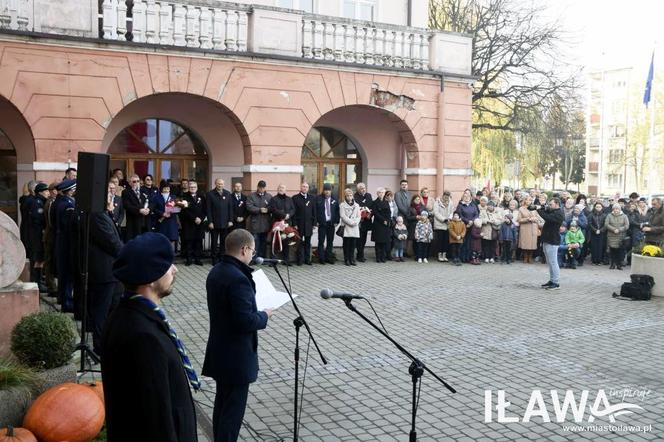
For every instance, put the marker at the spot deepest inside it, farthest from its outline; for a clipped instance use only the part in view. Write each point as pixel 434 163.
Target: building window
pixel 615 156
pixel 303 5
pixel 617 131
pixel 161 148
pixel 615 180
pixel 360 9
pixel 329 156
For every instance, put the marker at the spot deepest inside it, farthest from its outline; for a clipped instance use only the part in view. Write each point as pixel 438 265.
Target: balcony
pixel 593 167
pixel 213 26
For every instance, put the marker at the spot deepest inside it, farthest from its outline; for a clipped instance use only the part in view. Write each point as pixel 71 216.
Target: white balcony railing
pixel 16 15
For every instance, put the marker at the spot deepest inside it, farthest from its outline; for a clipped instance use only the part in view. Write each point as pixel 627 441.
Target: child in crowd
pixel 423 236
pixel 562 249
pixel 507 238
pixel 457 232
pixel 400 235
pixel 491 223
pixel 476 242
pixel 574 240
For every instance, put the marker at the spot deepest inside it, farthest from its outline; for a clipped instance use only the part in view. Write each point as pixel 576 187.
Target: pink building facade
pixel 242 115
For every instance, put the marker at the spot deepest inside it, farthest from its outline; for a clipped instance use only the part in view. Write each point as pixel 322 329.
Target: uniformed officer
pixel 36 227
pixel 49 241
pixel 193 220
pixel 65 219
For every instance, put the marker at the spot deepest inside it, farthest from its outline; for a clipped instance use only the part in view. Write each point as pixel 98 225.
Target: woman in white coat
pixel 442 214
pixel 349 211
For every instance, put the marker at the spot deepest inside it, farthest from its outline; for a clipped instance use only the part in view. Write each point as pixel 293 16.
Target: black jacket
pixel 305 214
pixel 553 219
pixel 118 210
pixel 280 206
pixel 231 356
pixel 146 389
pixel 364 201
pixel 320 210
pixel 196 208
pixel 219 208
pixel 382 217
pixel 104 247
pixel 136 223
pixel 239 210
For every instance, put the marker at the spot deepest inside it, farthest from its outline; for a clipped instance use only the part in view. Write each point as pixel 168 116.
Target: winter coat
pixel 219 208
pixel 305 213
pixel 350 218
pixel 553 219
pixel 281 207
pixel 364 201
pixel 476 239
pixel 167 226
pixel 527 229
pixel 581 221
pixel 636 220
pixel 507 231
pixel 456 228
pixel 423 232
pixel 442 214
pixel 575 237
pixel 382 221
pixel 596 222
pixel 400 243
pixel 620 222
pixel 656 225
pixel 467 212
pixel 491 222
pixel 320 210
pixel 402 199
pixel 258 222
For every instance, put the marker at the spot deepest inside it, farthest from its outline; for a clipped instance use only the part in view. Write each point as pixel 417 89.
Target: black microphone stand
pixel 416 369
pixel 298 323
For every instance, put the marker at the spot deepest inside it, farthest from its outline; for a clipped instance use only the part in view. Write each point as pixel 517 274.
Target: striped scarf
pixel 188 368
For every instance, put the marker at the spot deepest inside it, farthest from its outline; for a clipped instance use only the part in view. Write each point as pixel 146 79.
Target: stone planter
pixel 14 403
pixel 647 265
pixel 55 376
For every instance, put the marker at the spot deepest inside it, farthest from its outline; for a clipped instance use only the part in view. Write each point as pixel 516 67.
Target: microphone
pixel 329 293
pixel 265 261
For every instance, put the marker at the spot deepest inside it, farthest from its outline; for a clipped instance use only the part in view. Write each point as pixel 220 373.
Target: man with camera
pixel 553 217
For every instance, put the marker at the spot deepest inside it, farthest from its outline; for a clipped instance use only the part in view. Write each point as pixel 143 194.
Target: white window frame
pixel 374 3
pixel 296 5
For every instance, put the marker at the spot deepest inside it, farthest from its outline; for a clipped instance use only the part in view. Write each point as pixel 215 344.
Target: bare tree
pixel 517 57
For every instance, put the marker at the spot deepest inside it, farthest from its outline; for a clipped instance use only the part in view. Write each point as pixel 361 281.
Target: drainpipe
pixel 440 144
pixel 410 13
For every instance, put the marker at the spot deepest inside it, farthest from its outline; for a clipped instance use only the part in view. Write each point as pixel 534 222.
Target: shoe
pixel 187 263
pixel 486 261
pixel 299 263
pixel 492 261
pixel 572 266
pixel 361 258
pixel 198 262
pixel 331 261
pixel 553 286
pixel 426 261
pixel 353 263
pixel 458 264
pixel 346 262
pixel 321 261
pixel 620 267
pixel 440 257
pixel 419 260
pixel 547 284
pixel 445 257
pixel 613 266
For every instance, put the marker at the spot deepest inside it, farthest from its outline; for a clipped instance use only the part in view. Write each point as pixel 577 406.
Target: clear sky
pixel 614 33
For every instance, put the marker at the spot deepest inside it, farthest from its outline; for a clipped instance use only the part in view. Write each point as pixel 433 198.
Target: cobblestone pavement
pixel 488 327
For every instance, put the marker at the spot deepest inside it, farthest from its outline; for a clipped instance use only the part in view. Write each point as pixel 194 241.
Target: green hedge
pixel 44 340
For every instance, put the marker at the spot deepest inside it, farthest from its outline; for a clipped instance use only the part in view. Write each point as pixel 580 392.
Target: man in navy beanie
pixel 146 370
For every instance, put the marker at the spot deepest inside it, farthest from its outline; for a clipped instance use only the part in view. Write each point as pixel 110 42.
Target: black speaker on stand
pixel 91 195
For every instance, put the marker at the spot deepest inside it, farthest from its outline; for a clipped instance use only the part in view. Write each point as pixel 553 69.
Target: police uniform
pixel 65 219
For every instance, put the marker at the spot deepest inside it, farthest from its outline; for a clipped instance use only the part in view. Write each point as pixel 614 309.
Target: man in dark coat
pixel 327 217
pixel 65 222
pixel 240 213
pixel 193 220
pixel 103 248
pixel 49 242
pixel 304 221
pixel 220 217
pixel 231 356
pixel 654 231
pixel 136 206
pixel 117 214
pixel 25 205
pixel 281 208
pixel 553 217
pixel 36 228
pixel 382 228
pixel 259 216
pixel 364 200
pixel 145 367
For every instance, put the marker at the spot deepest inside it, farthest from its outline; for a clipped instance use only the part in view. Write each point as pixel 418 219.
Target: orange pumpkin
pixel 97 387
pixel 69 412
pixel 11 434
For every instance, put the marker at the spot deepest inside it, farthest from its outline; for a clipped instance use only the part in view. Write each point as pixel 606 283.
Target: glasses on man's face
pixel 253 251
pixel 135 181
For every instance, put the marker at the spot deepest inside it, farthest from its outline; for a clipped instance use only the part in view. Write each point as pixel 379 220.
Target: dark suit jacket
pixel 219 208
pixel 136 222
pixel 231 356
pixel 118 210
pixel 305 214
pixel 239 210
pixel 280 206
pixel 146 389
pixel 104 247
pixel 320 210
pixel 196 208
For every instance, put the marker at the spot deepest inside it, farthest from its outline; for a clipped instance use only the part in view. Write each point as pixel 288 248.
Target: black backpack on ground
pixel 639 289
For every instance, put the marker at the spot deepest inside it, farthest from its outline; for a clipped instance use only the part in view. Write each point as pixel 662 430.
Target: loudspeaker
pixel 92 182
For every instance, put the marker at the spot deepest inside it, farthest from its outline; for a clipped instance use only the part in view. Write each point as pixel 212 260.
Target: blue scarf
pixel 188 368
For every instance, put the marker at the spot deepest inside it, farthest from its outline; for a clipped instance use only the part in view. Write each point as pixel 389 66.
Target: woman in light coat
pixel 616 225
pixel 349 212
pixel 443 208
pixel 528 229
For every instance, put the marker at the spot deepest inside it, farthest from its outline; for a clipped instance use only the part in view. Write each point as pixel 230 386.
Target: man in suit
pixel 231 356
pixel 193 219
pixel 259 218
pixel 103 248
pixel 220 217
pixel 304 220
pixel 327 217
pixel 146 370
pixel 36 227
pixel 136 205
pixel 364 200
pixel 239 207
pixel 117 212
pixel 403 198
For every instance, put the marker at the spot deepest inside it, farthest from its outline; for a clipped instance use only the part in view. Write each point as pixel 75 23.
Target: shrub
pixel 13 375
pixel 44 340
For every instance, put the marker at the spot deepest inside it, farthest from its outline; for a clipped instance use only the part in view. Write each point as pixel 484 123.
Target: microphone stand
pixel 416 369
pixel 298 323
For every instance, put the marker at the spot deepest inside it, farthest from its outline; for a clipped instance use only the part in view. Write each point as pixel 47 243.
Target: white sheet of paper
pixel 266 295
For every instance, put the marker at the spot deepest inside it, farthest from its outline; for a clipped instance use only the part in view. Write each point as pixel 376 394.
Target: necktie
pixel 188 368
pixel 327 208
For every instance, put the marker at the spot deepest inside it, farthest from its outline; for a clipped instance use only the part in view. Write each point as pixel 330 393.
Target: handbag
pixel 340 231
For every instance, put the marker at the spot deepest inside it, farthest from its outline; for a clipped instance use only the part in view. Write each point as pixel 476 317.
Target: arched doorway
pixel 161 148
pixel 8 182
pixel 329 156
